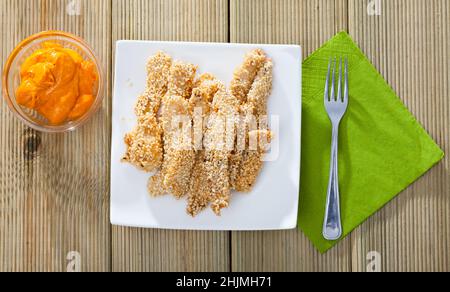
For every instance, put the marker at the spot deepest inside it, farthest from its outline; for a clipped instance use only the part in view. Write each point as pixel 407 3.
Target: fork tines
pixel 330 95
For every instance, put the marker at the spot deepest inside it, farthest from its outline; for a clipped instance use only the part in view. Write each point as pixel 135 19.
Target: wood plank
pixel 165 250
pixel 54 188
pixel 409 44
pixel 54 195
pixel 308 23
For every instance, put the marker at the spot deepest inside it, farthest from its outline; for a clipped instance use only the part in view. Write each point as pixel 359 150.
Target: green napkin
pixel 382 148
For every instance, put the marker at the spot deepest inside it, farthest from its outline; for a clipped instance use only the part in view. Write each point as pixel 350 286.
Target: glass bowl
pixel 11 79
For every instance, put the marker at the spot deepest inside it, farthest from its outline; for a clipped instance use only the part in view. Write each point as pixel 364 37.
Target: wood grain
pixel 164 250
pixel 54 195
pixel 308 23
pixel 409 45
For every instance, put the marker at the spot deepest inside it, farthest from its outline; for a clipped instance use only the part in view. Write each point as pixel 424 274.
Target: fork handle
pixel 332 228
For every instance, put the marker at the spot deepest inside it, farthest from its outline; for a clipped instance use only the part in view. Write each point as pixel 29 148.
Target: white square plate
pixel 273 202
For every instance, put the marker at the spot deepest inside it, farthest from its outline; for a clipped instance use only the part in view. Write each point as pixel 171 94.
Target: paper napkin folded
pixel 382 148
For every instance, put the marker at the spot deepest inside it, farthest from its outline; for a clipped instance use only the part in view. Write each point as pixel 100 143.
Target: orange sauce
pixel 58 83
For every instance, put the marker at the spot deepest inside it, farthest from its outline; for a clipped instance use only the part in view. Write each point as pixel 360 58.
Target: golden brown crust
pixel 155 185
pixel 144 149
pixel 174 173
pixel 200 102
pixel 199 191
pixel 242 82
pixel 144 142
pixel 256 105
pixel 219 139
pixel 178 153
pixel 158 67
pixel 181 79
pixel 245 75
pixel 252 162
pixel 216 165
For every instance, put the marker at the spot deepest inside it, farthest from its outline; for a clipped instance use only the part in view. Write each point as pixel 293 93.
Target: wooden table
pixel 54 189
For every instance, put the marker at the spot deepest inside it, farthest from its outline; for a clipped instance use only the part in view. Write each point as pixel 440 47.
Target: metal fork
pixel 336 106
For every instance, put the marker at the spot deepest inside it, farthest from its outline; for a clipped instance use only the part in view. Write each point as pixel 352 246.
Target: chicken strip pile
pixel 203 139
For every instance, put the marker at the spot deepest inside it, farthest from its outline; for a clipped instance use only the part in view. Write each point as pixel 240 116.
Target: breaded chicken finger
pixel 200 102
pixel 179 156
pixel 219 138
pixel 242 81
pixel 144 143
pixel 158 68
pixel 256 106
pixel 244 76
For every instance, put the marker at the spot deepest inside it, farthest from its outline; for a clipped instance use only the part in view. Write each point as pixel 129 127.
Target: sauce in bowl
pixel 58 83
